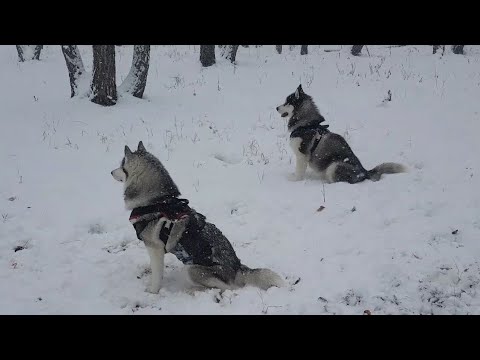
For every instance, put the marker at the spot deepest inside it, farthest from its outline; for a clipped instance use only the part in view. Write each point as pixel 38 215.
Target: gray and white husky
pixel 166 223
pixel 326 152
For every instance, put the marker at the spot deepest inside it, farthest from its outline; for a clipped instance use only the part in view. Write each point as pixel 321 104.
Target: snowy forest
pixel 404 245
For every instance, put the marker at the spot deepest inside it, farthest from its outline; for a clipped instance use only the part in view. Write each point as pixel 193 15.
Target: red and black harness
pixel 171 208
pixel 192 247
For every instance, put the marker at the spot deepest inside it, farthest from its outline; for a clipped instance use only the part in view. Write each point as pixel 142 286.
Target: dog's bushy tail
pixel 386 168
pixel 261 278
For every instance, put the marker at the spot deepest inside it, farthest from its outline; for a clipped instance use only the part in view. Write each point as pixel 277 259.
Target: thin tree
pixel 136 80
pixel 104 87
pixel 75 67
pixel 356 50
pixel 207 55
pixel 436 47
pixel 458 49
pixel 304 50
pixel 31 54
pixel 21 58
pixel 229 52
pixel 278 48
pixel 37 51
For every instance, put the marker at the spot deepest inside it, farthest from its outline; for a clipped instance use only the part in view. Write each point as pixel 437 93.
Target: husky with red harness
pixel 166 223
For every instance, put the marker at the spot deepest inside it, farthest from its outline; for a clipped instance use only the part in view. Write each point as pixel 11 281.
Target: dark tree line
pixel 103 85
pixel 303 49
pixel 229 52
pixel 456 49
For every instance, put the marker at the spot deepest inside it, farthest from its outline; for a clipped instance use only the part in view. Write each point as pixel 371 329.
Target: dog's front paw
pixel 295 177
pixel 153 289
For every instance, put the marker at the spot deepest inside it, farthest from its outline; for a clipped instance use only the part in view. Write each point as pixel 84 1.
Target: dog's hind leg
pixel 345 172
pixel 157 255
pixel 220 277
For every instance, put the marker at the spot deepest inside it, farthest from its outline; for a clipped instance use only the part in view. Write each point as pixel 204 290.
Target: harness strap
pixel 318 137
pixel 170 208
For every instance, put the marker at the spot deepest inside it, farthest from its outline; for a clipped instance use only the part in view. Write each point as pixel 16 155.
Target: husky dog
pixel 326 152
pixel 166 223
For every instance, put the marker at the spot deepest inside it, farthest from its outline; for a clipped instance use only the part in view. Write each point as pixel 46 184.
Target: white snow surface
pixel 410 246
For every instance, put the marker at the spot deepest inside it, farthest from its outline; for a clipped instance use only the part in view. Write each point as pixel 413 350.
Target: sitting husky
pixel 166 223
pixel 326 152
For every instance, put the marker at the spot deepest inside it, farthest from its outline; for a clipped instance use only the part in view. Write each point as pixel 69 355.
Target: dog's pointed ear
pixel 128 152
pixel 141 148
pixel 299 91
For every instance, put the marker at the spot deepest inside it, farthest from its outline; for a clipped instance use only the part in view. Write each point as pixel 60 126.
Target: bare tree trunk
pixel 37 51
pixel 207 55
pixel 458 49
pixel 229 52
pixel 356 50
pixel 278 48
pixel 136 80
pixel 20 53
pixel 304 50
pixel 435 48
pixel 75 67
pixel 104 87
pixel 233 53
pixel 31 54
pixel 223 50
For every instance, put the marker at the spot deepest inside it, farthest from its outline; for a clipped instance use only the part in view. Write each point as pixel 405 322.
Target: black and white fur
pixel 326 152
pixel 145 182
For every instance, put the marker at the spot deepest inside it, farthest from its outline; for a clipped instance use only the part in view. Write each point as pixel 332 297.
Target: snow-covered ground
pixel 408 244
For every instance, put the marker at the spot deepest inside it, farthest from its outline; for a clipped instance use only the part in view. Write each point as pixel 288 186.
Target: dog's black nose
pixel 111 172
pixel 277 108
